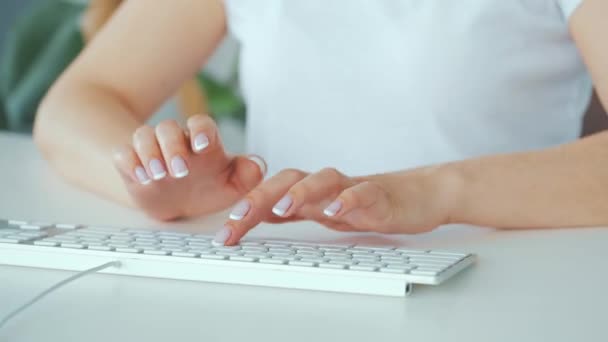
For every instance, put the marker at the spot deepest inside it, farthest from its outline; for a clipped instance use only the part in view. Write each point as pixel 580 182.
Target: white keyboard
pixel 165 254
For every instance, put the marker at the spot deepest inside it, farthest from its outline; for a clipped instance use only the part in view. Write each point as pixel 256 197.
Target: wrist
pixel 442 187
pixel 451 183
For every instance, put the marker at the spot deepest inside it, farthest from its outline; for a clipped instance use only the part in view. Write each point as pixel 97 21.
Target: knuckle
pixel 202 123
pixel 300 191
pixel 167 125
pixel 291 174
pixel 257 195
pixel 142 132
pixel 331 172
pixel 351 197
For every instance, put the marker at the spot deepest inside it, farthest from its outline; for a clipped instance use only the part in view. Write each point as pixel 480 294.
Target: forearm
pixel 565 186
pixel 76 128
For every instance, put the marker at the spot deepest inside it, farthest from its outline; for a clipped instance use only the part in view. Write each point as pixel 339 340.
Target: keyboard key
pixel 424 272
pixel 393 259
pixel 173 249
pixel 227 248
pixel 16 222
pixel 33 234
pixel 276 245
pixel 302 263
pixel 7 231
pixel 257 255
pixel 400 267
pixel 308 254
pixel 368 258
pixel 129 250
pixel 406 251
pixel 243 258
pixel 199 245
pixel 156 252
pixel 213 256
pixel 46 243
pixel 25 238
pixel 146 246
pixel 393 270
pixel 251 244
pixel 11 240
pixel 67 226
pixel 363 268
pixel 101 248
pixel 281 250
pixel 92 241
pixel 338 255
pixel 315 260
pixel 229 253
pixel 119 245
pixel 186 254
pixel 254 249
pixel 73 245
pixel 372 264
pixel 332 266
pixel 273 261
pixel 171 239
pixel 332 249
pixel 121 239
pixel 305 248
pixel 286 258
pixel 387 253
pixel 200 250
pixel 32 227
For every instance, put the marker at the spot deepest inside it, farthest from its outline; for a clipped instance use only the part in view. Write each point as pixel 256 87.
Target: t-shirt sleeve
pixel 568 7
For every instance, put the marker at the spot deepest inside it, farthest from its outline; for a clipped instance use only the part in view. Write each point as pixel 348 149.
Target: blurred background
pixel 39 38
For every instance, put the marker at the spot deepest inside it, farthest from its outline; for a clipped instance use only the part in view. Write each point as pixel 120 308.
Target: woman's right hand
pixel 171 172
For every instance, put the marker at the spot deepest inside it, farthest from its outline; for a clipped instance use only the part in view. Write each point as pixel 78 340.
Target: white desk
pixel 527 286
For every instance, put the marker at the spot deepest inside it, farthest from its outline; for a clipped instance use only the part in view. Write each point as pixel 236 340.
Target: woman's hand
pixel 406 202
pixel 173 173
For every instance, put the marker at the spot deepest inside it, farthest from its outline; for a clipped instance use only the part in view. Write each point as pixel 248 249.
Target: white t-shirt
pixel 373 86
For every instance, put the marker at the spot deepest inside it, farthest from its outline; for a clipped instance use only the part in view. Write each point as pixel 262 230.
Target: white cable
pixel 54 288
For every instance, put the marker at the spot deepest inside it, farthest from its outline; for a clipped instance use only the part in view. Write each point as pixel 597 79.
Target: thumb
pixel 249 171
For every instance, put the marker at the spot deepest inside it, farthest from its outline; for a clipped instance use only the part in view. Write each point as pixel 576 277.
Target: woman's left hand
pixel 411 201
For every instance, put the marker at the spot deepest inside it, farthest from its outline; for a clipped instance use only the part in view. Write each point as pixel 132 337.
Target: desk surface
pixel 527 286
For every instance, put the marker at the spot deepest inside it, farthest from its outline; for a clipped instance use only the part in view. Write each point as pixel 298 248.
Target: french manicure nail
pixel 222 236
pixel 158 171
pixel 260 162
pixel 333 208
pixel 282 205
pixel 200 142
pixel 142 176
pixel 240 210
pixel 178 165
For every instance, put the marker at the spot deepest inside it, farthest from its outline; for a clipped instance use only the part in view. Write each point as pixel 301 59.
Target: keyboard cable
pixel 55 287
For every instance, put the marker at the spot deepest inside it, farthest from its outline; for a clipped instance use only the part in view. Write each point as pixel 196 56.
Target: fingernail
pixel 178 165
pixel 142 176
pixel 240 210
pixel 222 236
pixel 200 142
pixel 158 171
pixel 282 205
pixel 333 208
pixel 260 162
